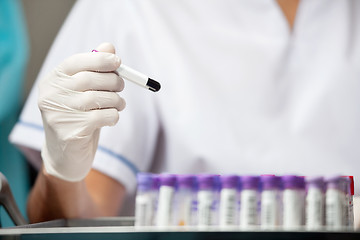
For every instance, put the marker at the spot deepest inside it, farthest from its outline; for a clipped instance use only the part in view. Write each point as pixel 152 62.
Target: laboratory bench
pixel 123 228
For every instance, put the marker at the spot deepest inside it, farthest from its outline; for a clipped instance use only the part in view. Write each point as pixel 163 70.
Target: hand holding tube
pixel 137 77
pixel 76 99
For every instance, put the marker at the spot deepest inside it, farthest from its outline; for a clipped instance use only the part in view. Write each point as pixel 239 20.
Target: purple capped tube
pixel 164 215
pixel 315 203
pixel 144 202
pixel 155 195
pixel 207 199
pixel 334 202
pixel 293 202
pixel 249 201
pixel 229 200
pixel 185 201
pixel 347 193
pixel 270 201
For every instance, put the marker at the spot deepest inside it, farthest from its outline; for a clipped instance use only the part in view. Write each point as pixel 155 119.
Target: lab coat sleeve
pixel 128 147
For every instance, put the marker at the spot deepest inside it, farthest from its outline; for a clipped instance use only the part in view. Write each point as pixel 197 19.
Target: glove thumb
pixel 106 47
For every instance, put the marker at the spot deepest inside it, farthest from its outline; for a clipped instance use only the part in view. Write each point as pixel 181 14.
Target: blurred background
pixel 43 19
pixel 27 30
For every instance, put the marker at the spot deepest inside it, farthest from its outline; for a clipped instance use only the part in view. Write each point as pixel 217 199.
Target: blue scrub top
pixel 13 59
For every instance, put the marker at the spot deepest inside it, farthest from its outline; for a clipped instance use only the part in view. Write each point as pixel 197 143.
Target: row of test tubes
pixel 267 202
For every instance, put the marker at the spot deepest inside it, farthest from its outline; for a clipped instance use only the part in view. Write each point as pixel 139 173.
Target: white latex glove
pixel 76 99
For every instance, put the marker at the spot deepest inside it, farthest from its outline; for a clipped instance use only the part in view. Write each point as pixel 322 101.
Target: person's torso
pixel 241 94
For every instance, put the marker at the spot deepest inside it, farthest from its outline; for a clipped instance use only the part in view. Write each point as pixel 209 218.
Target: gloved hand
pixel 76 99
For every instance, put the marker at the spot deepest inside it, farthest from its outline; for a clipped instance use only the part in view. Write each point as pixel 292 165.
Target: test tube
pixel 293 202
pixel 155 195
pixel 334 203
pixel 249 201
pixel 206 197
pixel 346 190
pixel 144 202
pixel 315 203
pixel 164 216
pixel 270 201
pixel 229 200
pixel 185 200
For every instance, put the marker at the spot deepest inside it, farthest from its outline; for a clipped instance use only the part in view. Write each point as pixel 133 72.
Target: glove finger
pixel 91 61
pixel 103 117
pixel 84 81
pixel 106 47
pixel 90 100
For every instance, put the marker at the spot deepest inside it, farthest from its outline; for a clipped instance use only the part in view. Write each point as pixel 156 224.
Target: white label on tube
pixel 228 203
pixel 334 208
pixel 292 208
pixel 346 209
pixel 205 208
pixel 269 208
pixel 248 208
pixel 314 208
pixel 154 196
pixel 143 210
pixel 132 75
pixel 351 211
pixel 165 206
pixel 184 208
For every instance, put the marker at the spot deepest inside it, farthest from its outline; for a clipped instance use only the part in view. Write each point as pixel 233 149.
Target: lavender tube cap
pixel 270 182
pixel 168 180
pixel 186 181
pixel 145 181
pixel 249 182
pixel 156 182
pixel 230 181
pixel 315 182
pixel 335 182
pixel 293 182
pixel 207 182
